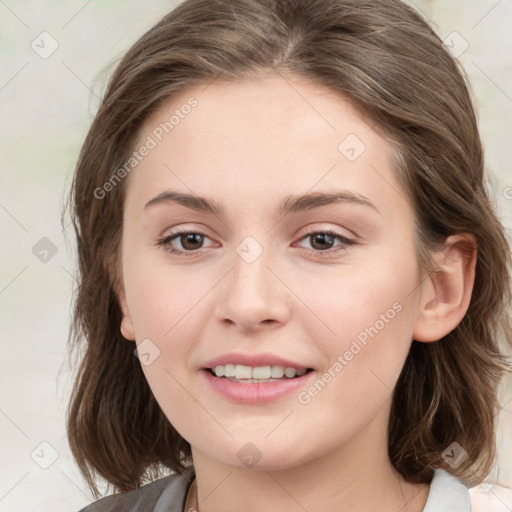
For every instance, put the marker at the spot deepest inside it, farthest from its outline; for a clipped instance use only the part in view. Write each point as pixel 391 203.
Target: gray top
pixel 168 494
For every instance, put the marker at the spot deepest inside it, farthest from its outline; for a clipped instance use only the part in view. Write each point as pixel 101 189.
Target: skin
pixel 247 145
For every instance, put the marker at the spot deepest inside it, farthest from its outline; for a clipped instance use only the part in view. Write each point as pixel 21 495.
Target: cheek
pixel 357 298
pixel 165 305
pixel 363 326
pixel 163 309
pixel 159 296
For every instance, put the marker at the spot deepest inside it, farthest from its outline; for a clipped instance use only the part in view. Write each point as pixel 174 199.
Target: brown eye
pixel 190 241
pixel 321 241
pixel 183 243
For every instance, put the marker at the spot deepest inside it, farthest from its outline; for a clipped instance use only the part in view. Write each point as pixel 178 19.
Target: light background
pixel 46 107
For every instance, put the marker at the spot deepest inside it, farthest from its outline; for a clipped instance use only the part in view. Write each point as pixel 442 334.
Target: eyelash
pixel 348 242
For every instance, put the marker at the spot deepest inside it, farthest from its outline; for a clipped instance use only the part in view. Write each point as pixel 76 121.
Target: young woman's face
pixel 262 277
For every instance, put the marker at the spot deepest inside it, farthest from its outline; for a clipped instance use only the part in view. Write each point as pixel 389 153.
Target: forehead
pixel 259 138
pixel 293 107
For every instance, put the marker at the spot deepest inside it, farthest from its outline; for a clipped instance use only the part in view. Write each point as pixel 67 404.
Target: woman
pixel 292 280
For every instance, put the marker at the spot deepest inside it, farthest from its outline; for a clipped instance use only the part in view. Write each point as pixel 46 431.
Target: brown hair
pixel 382 56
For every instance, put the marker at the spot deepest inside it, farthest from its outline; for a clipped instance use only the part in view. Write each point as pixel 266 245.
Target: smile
pixel 255 385
pixel 240 372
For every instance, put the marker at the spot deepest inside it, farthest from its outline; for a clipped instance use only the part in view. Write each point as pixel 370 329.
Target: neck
pixel 355 477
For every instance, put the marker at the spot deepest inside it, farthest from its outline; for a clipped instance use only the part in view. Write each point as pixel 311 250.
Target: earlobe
pixel 127 331
pixel 126 326
pixel 446 292
pixel 126 323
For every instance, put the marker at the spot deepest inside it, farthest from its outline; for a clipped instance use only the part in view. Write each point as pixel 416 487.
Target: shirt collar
pixel 447 494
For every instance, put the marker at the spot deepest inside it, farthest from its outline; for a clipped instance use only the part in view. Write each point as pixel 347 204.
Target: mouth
pixel 256 385
pixel 260 374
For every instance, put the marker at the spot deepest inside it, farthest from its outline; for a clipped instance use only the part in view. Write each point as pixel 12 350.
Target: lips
pixel 255 393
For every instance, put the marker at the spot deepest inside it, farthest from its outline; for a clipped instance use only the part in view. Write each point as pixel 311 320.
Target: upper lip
pixel 263 359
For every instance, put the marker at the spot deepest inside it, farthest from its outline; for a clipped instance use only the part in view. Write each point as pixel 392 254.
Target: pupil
pixel 191 238
pixel 323 237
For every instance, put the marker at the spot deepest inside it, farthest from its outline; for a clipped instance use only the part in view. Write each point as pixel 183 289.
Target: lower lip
pixel 256 392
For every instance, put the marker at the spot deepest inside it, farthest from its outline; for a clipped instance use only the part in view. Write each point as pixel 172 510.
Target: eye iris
pixel 322 237
pixel 191 238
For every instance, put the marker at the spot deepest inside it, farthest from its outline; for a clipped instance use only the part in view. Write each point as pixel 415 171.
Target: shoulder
pixel 167 494
pixel 449 494
pixel 493 498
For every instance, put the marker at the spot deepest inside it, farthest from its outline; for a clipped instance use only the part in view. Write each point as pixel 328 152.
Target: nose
pixel 253 295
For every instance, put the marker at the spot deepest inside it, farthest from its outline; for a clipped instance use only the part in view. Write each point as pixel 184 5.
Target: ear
pixel 126 326
pixel 126 322
pixel 446 292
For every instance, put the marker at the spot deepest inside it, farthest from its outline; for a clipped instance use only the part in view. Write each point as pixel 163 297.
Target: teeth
pixel 277 372
pixel 260 372
pixel 240 371
pixel 229 370
pixel 290 372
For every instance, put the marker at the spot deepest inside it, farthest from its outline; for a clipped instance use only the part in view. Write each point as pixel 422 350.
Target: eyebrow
pixel 290 204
